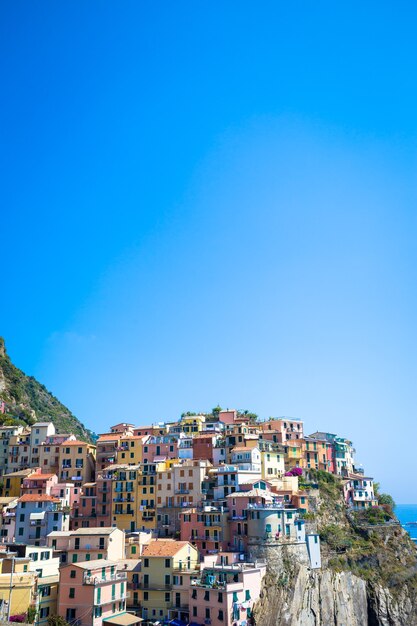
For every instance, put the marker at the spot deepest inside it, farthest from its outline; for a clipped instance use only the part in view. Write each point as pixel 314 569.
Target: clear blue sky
pixel 215 202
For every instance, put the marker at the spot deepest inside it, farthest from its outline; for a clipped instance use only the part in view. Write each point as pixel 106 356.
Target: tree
pixel 31 615
pixel 251 416
pixel 215 412
pixel 385 498
pixel 57 620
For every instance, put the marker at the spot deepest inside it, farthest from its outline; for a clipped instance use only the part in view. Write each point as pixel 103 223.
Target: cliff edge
pixel 368 575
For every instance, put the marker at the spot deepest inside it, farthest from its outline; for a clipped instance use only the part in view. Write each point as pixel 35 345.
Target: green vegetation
pixel 368 542
pixel 31 614
pixel 27 401
pixel 57 620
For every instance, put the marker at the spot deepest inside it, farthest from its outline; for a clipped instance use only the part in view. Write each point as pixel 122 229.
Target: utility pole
pixel 9 606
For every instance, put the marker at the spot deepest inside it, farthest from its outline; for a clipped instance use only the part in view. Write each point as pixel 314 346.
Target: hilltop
pixel 27 401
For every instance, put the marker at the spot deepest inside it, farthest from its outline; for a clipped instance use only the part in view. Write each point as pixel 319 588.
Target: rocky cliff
pixel 24 400
pixel 368 575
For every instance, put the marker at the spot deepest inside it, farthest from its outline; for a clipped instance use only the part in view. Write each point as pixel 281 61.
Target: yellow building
pixel 76 462
pixel 22 595
pixel 47 598
pixel 146 489
pixel 124 496
pixel 272 460
pixel 129 450
pixel 294 454
pixel 167 567
pixel 12 483
pixel 191 424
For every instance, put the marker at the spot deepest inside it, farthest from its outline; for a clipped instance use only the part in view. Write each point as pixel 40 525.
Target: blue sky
pixel 212 203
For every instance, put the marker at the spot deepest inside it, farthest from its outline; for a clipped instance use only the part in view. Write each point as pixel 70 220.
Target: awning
pixel 124 619
pixel 37 516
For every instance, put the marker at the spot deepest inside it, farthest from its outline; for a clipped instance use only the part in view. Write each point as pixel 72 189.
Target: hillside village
pixel 160 524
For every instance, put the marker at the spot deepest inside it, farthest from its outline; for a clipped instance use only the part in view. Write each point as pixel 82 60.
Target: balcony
pixel 267 505
pixel 97 580
pixel 177 569
pixel 182 492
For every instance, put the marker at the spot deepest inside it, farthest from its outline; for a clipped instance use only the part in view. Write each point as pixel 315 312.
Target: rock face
pixel 327 598
pixel 368 575
pixel 317 598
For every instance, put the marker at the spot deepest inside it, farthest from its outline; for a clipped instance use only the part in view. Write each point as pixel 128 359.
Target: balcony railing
pixel 97 580
pixel 267 505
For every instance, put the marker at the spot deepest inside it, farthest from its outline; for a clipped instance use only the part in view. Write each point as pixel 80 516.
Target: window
pixel 145 562
pixel 220 597
pixel 146 595
pixel 133 549
pixel 73 573
pixel 70 615
pixel 220 617
pixel 167 562
pixel 207 613
pixel 71 592
pixel 167 596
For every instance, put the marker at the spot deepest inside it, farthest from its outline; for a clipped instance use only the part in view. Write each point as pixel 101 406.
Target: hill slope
pixel 26 401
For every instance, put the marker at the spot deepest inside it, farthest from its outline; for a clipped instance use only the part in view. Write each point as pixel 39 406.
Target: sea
pixel 408 513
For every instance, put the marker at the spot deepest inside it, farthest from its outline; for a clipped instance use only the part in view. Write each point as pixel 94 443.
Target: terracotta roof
pixel 40 476
pixel 240 448
pixel 38 497
pixel 110 436
pixel 163 547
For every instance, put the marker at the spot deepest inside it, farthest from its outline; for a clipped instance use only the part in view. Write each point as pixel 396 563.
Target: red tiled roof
pixel 40 476
pixel 163 547
pixel 38 497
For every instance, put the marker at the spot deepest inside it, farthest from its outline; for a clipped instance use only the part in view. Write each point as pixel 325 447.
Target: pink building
pixel 92 592
pixel 206 527
pixel 161 446
pixel 84 511
pixel 39 484
pixel 226 592
pixel 228 416
pixel 284 428
pixel 88 544
pixel 66 492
